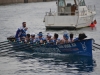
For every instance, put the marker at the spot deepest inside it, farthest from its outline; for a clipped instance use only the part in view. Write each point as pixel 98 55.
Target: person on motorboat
pixel 65 39
pixel 32 39
pixel 21 32
pixel 92 25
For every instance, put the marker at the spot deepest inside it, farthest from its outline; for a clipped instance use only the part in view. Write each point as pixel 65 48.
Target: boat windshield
pixel 82 3
pixel 62 3
pixel 70 2
pixel 67 7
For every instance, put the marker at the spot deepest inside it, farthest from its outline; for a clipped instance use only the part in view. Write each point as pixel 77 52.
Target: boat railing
pixel 61 13
pixel 83 12
pixel 50 14
pixel 91 8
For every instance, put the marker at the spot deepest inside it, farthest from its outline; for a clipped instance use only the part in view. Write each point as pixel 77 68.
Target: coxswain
pixel 21 32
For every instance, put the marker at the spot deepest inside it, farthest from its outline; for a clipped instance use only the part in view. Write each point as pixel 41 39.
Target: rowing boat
pixel 83 47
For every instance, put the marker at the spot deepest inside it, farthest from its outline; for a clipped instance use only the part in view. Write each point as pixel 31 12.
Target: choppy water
pixel 23 63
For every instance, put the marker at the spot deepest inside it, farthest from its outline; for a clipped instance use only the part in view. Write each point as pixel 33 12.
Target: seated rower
pixel 27 39
pixel 84 36
pixel 40 38
pixel 80 37
pixel 32 39
pixel 56 40
pixel 65 39
pixel 49 39
pixel 71 38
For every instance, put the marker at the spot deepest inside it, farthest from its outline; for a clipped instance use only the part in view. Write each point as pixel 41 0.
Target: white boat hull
pixel 68 22
pixel 77 15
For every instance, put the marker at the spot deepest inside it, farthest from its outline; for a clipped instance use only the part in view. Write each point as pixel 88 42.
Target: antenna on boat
pixel 50 12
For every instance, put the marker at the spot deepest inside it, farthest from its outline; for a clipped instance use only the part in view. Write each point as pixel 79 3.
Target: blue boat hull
pixel 83 47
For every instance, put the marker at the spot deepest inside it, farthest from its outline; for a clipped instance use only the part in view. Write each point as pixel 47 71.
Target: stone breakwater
pixel 21 1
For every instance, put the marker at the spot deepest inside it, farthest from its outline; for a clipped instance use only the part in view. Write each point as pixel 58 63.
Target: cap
pixel 40 34
pixel 66 36
pixel 49 35
pixel 33 34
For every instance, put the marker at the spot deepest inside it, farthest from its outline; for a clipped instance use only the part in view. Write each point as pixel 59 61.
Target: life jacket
pixel 92 25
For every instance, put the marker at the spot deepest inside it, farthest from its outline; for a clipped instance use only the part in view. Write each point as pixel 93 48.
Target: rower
pixel 65 39
pixel 71 37
pixel 32 39
pixel 80 37
pixel 49 39
pixel 27 39
pixel 56 40
pixel 40 38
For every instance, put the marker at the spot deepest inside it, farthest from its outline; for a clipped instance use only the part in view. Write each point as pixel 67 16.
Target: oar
pixel 6 45
pixel 3 42
pixel 15 45
pixel 96 47
pixel 96 44
pixel 24 47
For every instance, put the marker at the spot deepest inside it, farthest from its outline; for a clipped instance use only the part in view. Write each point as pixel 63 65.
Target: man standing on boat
pixel 21 32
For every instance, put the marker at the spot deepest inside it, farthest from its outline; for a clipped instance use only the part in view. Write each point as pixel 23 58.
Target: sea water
pixel 14 62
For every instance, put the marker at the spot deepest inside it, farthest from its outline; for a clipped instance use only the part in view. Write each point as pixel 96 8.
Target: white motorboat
pixel 70 14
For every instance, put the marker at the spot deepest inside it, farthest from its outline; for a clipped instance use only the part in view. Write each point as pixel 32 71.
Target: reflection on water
pixel 72 62
pixel 55 62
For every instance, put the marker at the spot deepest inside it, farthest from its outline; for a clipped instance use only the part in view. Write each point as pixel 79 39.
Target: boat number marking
pixel 67 45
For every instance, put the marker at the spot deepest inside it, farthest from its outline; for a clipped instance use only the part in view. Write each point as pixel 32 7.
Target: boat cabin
pixel 69 7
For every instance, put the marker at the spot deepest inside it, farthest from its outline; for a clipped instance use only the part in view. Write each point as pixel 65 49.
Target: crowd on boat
pixel 49 39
